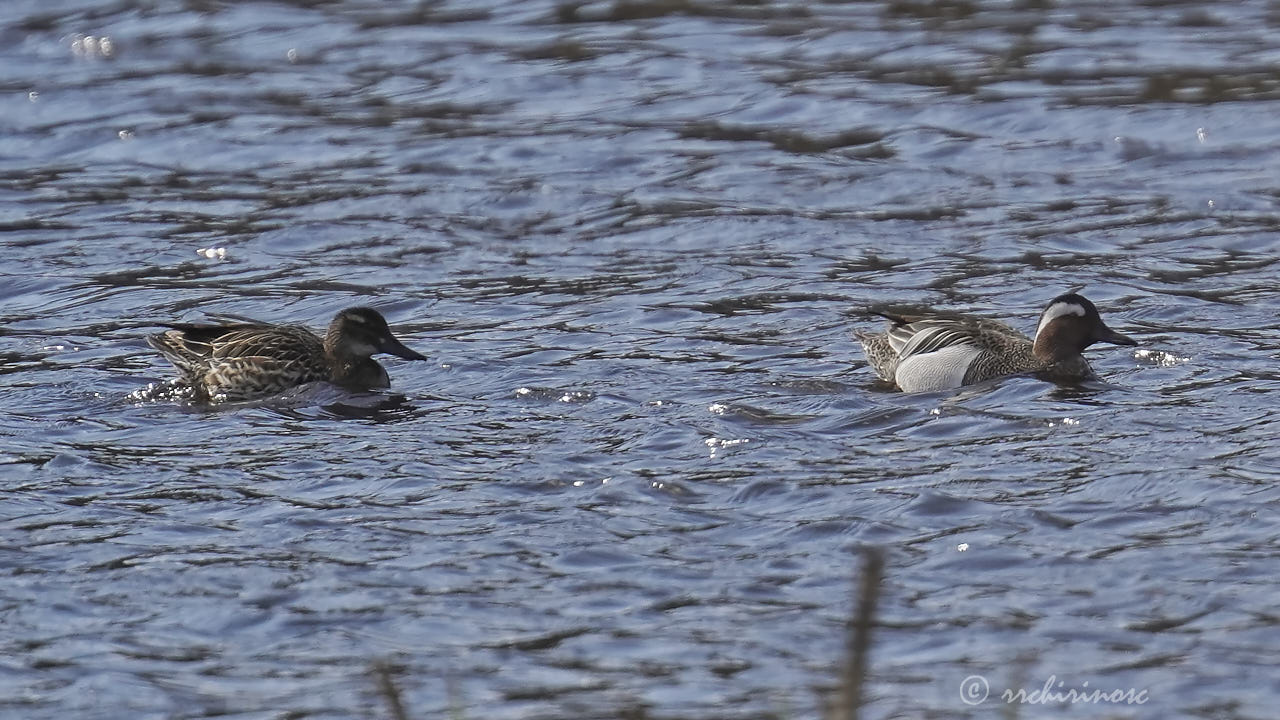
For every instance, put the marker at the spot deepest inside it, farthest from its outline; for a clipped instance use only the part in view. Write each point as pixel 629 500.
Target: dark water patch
pixel 631 10
pixel 788 141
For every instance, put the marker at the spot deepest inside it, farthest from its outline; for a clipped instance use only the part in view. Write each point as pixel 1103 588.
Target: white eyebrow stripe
pixel 1057 310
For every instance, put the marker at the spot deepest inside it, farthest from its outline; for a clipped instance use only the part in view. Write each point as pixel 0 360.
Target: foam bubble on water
pixel 1160 357
pixel 577 396
pixel 717 444
pixel 92 46
pixel 172 391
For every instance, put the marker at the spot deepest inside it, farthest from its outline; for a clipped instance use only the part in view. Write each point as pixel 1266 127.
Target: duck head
pixel 360 332
pixel 1068 325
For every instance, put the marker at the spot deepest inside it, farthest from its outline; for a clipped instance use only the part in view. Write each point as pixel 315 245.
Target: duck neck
pixel 1041 351
pixel 333 340
pixel 1048 347
pixel 349 359
pixel 342 359
pixel 355 370
pixel 360 373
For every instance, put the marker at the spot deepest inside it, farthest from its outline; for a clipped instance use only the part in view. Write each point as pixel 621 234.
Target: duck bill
pixel 392 346
pixel 1107 335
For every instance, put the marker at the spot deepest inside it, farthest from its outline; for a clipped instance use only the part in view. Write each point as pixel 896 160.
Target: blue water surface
pixel 638 473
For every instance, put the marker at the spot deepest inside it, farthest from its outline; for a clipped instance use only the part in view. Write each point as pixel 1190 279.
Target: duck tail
pixel 173 346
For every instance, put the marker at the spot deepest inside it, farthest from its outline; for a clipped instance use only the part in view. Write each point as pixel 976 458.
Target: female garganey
pixel 249 360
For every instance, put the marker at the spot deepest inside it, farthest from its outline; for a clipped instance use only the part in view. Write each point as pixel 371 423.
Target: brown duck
pixel 243 361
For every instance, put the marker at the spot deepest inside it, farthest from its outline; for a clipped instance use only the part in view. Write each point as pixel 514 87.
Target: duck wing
pixel 920 334
pixel 282 342
pixel 194 342
pixel 186 346
pixel 942 352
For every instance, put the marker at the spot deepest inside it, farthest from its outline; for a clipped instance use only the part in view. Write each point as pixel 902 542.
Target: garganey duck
pixel 924 353
pixel 243 361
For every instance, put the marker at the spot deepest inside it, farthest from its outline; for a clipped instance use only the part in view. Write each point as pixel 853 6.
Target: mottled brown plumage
pixel 242 361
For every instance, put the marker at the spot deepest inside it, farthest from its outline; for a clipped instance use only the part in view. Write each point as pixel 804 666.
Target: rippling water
pixel 634 237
